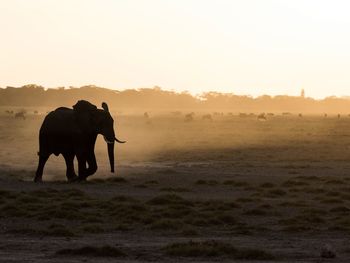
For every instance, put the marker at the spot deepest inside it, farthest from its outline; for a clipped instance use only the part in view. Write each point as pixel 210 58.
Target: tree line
pixel 158 99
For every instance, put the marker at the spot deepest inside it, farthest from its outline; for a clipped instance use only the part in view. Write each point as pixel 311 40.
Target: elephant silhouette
pixel 73 133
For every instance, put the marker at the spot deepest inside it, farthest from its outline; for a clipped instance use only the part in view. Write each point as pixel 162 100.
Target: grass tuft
pixel 169 199
pixel 174 189
pixel 267 185
pixel 235 183
pixel 214 248
pixel 89 251
pixel 206 182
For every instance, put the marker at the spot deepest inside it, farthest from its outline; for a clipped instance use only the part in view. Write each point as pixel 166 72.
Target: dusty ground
pixel 238 188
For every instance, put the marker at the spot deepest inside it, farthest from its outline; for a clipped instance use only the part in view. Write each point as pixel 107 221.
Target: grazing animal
pixel 21 115
pixel 147 118
pixel 338 116
pixel 207 117
pixel 189 117
pixel 300 115
pixel 262 117
pixel 73 133
pixel 325 115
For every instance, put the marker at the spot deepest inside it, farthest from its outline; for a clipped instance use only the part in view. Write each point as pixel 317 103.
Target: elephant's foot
pixel 82 179
pixel 72 178
pixel 38 180
pixel 78 179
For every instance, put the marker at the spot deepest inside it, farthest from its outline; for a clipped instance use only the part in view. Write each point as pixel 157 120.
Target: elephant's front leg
pixel 69 158
pixel 82 171
pixel 92 166
pixel 91 160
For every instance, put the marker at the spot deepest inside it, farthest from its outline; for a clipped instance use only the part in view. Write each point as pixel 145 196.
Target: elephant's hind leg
pixel 70 173
pixel 39 172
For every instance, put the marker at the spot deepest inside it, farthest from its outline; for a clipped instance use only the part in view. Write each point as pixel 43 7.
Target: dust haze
pixel 169 138
pixel 198 182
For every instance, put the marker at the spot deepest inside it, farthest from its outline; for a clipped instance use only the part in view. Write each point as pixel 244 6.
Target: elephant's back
pixel 61 120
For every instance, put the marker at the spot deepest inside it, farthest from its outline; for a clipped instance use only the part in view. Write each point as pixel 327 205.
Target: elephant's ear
pixel 85 112
pixel 105 106
pixel 83 106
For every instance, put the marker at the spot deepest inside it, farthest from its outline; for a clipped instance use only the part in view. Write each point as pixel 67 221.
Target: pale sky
pixel 241 46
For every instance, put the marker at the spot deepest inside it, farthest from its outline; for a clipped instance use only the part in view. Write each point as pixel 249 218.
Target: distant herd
pixel 21 114
pixel 187 117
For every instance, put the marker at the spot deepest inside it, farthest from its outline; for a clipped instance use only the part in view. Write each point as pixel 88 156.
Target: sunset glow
pixel 245 47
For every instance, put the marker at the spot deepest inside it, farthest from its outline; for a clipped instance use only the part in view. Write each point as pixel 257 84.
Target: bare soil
pixel 279 187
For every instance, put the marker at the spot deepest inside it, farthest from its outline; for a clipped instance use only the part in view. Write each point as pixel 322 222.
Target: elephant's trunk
pixel 110 147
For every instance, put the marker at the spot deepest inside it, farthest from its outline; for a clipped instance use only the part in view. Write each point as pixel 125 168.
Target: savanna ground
pixel 228 189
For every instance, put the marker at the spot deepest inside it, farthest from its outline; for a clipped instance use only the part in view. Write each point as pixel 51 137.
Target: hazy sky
pixel 241 46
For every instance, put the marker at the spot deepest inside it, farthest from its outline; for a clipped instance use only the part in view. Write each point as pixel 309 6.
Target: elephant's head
pixel 98 121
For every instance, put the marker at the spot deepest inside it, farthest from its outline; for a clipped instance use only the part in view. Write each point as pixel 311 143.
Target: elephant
pixel 73 133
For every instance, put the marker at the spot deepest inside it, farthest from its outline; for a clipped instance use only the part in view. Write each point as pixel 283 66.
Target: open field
pixel 228 189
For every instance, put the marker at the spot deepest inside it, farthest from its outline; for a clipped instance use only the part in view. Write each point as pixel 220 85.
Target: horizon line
pixel 193 94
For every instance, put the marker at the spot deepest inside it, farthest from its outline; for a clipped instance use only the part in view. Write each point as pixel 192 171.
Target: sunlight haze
pixel 245 47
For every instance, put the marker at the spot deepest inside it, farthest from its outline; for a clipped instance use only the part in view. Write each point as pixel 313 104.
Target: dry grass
pixel 214 248
pixel 167 212
pixel 169 199
pixel 174 189
pixel 227 178
pixel 236 183
pixel 267 185
pixel 90 251
pixel 206 182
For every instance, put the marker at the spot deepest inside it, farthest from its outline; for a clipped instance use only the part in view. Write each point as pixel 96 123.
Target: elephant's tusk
pixel 119 140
